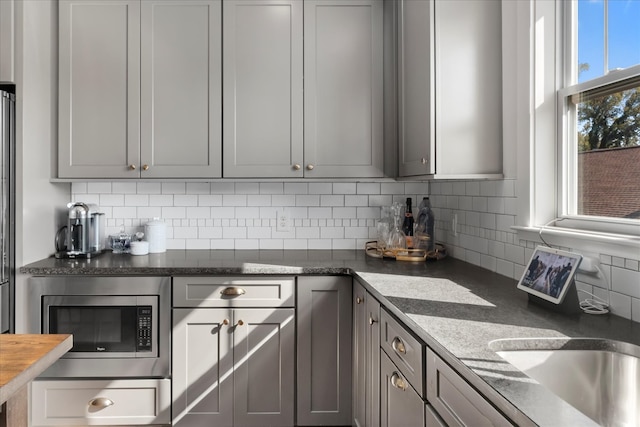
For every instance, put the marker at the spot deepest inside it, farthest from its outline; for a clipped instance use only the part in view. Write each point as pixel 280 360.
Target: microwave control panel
pixel 144 328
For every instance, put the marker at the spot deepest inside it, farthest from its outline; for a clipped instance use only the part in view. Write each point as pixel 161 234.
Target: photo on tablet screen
pixel 549 273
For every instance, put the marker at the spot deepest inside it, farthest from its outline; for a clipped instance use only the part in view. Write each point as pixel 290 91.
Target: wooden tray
pixel 413 255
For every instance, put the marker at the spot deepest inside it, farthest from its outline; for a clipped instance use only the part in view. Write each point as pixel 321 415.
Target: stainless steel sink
pixel 600 378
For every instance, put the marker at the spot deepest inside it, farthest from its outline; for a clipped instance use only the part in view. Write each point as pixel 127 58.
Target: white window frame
pixel 543 175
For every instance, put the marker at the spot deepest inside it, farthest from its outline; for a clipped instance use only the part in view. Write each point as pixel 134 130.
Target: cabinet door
pixel 360 352
pixel 7 40
pixel 263 100
pixel 373 362
pixel 468 98
pixel 366 358
pixel 264 365
pixel 181 128
pixel 324 351
pixel 415 88
pixel 202 378
pixel 457 402
pixel 343 88
pixel 400 405
pixel 99 89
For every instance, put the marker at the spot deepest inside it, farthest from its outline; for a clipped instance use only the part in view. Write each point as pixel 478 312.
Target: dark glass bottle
pixel 424 238
pixel 407 225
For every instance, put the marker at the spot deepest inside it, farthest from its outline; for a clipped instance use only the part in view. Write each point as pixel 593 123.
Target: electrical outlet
pixel 282 221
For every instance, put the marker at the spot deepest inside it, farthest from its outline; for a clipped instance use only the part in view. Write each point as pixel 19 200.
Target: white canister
pixel 156 234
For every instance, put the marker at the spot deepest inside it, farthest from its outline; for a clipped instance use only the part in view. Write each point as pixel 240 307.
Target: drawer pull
pixel 232 291
pixel 398 382
pixel 398 346
pixel 100 402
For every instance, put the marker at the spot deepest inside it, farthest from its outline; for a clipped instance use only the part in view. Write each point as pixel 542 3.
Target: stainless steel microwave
pixel 121 326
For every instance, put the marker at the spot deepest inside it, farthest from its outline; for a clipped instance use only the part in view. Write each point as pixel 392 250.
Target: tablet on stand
pixel 548 278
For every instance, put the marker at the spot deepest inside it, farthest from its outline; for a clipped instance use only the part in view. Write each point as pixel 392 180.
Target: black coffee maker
pixel 82 237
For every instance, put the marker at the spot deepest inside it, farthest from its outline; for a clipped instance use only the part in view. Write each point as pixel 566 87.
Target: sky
pixel 624 35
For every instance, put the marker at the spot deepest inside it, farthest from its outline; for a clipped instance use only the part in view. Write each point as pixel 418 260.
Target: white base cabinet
pixel 100 402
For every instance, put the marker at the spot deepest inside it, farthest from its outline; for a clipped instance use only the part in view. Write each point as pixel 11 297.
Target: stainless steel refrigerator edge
pixel 7 203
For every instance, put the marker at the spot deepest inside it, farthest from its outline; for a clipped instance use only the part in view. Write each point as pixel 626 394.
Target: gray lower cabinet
pixel 324 351
pixel 366 358
pixel 233 367
pixel 122 113
pixel 400 404
pixel 456 402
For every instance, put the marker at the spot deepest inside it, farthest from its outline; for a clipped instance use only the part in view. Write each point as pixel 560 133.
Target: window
pixel 600 115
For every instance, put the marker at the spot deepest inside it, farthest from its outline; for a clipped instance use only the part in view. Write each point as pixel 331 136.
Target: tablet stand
pixel 569 305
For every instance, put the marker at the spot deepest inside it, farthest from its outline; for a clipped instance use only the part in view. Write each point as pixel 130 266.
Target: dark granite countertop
pixel 455 307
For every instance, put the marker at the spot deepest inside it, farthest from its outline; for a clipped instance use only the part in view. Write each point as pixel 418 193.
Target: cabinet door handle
pixel 398 346
pixel 145 167
pixel 232 291
pixel 358 300
pixel 225 322
pixel 310 167
pixel 132 167
pixel 398 382
pixel 372 320
pixel 100 402
pixel 240 322
pixel 296 167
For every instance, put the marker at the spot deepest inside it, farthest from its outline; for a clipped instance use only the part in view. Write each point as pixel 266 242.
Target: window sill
pixel 619 245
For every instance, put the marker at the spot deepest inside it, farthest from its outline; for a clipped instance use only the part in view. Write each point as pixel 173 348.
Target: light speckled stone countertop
pixel 455 307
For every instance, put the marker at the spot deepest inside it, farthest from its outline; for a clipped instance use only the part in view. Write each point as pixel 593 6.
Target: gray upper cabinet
pixel 415 88
pixel 343 88
pixel 139 89
pixel 263 100
pixel 450 89
pixel 181 101
pixel 7 40
pixel 99 88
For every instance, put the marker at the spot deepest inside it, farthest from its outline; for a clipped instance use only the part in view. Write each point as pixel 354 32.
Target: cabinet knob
pixel 398 346
pixel 310 167
pixel 358 300
pixel 145 167
pixel 240 322
pixel 225 322
pixel 372 321
pixel 398 382
pixel 232 291
pixel 100 402
pixel 132 167
pixel 296 167
pixel 424 161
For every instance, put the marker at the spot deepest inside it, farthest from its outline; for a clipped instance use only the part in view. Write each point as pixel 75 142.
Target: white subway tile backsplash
pixel 198 188
pixel 320 188
pixel 342 215
pixel 296 188
pixel 344 188
pixel 247 188
pixel 368 188
pixel 174 188
pixel 185 200
pixel 271 188
pixel 331 200
pixel 99 187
